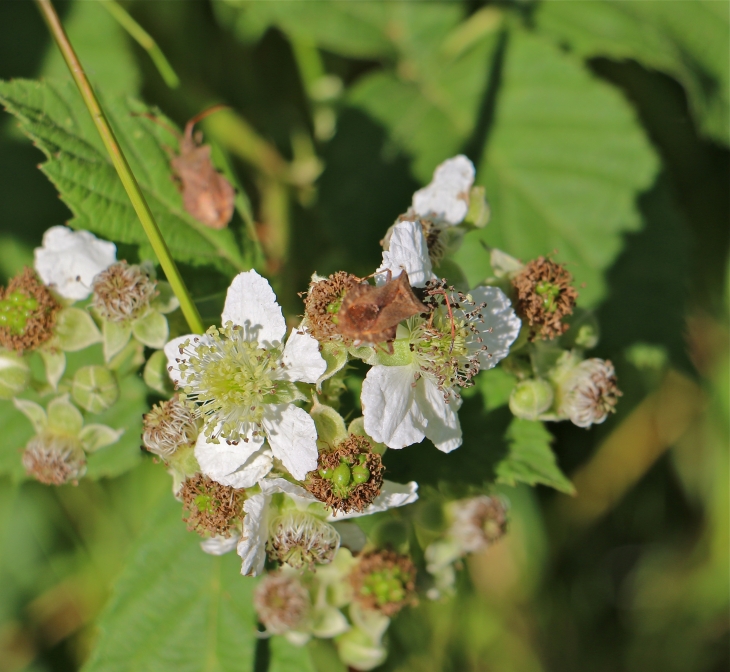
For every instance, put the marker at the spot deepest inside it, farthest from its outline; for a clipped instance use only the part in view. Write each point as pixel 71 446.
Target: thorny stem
pixel 123 170
pixel 145 40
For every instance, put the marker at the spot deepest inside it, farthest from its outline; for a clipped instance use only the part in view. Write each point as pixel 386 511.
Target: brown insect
pixel 371 314
pixel 207 195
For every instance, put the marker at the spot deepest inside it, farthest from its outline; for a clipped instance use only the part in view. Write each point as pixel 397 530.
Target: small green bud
pixel 360 474
pixel 14 375
pixel 530 398
pixel 94 388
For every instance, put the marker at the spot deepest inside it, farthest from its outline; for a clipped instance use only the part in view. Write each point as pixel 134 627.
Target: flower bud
pixel 282 603
pixel 54 459
pixel 530 398
pixel 94 388
pixel 14 375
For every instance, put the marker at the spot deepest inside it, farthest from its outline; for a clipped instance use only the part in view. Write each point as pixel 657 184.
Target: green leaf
pixel 688 40
pixel 177 608
pixel 496 386
pixel 530 459
pixel 52 114
pixel 285 657
pixel 101 45
pixel 565 162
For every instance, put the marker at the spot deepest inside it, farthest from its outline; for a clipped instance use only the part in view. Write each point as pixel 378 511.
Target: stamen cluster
pixel 282 602
pixel 544 297
pixel 54 459
pixel 349 477
pixel 384 580
pixel 299 539
pixel 212 509
pixel 168 426
pixel 27 312
pixel 227 379
pixel 122 292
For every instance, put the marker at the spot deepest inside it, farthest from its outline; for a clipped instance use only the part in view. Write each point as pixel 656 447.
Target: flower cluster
pixel 253 435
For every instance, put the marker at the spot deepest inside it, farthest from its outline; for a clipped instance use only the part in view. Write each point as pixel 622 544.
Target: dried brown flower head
pixel 168 426
pixel 212 509
pixel 54 459
pixel 27 312
pixel 385 581
pixel 349 477
pixel 544 297
pixel 282 602
pixel 122 292
pixel 323 301
pixel 300 540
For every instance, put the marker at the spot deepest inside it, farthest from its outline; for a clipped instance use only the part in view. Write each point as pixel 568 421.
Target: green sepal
pixel 503 264
pixel 330 426
pixel 479 211
pixel 155 374
pixel 357 427
pixel 64 417
pixel 94 437
pixel 116 335
pixel 402 355
pixel 75 330
pixel 151 330
pixel 95 388
pixel 334 354
pixel 54 362
pixel 34 412
pixel 165 301
pixel 14 375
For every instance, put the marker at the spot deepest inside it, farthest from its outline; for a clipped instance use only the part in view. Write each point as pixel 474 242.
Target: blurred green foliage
pixel 600 131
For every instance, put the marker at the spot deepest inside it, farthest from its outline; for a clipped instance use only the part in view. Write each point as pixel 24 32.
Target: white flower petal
pixel 302 359
pixel 220 545
pixel 407 250
pixel 301 497
pixel 501 325
pixel 172 352
pixel 391 496
pixel 446 199
pixel 293 438
pixel 387 400
pixel 69 260
pixel 239 466
pixel 252 545
pixel 251 303
pixel 443 427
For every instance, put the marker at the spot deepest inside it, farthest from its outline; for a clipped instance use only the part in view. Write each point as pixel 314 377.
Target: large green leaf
pixel 52 114
pixel 285 657
pixel 688 39
pixel 563 167
pixel 176 608
pixel 530 459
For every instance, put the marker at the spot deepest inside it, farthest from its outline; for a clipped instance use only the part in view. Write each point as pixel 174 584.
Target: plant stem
pixel 123 170
pixel 144 39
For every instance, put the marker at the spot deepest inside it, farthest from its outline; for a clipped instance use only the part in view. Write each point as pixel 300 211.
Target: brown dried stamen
pixel 122 292
pixel 385 581
pixel 282 602
pixel 168 426
pixel 544 297
pixel 54 459
pixel 349 477
pixel 35 325
pixel 212 509
pixel 322 302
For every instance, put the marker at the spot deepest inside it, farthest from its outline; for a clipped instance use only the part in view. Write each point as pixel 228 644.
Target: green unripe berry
pixel 342 475
pixel 360 474
pixel 327 474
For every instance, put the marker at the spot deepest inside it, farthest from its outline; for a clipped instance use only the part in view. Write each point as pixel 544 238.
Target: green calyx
pixel 15 309
pixel 549 293
pixel 345 477
pixel 386 586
